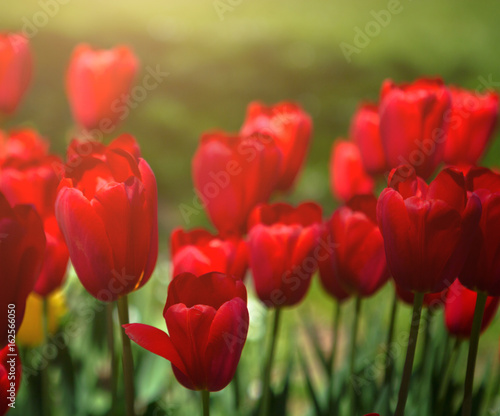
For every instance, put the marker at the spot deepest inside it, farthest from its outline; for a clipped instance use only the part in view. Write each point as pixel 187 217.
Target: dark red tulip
pixel 107 211
pixel 413 125
pixel 22 246
pixel 481 272
pixel 472 119
pixel 16 67
pixel 207 321
pixel 98 84
pixel 10 377
pixel 433 300
pixel 365 131
pixel 358 258
pixel 232 174
pixel 426 229
pixel 284 251
pixel 291 128
pixel 347 174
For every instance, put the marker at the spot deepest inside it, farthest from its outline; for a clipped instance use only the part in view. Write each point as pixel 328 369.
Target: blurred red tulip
pixel 207 321
pixel 16 67
pixel 199 252
pixel 482 269
pixel 426 229
pixel 283 251
pixel 107 211
pixel 459 310
pixel 98 83
pixel 433 300
pixel 291 128
pixel 232 174
pixel 22 245
pixel 10 377
pixel 412 124
pixel 472 119
pixel 365 131
pixel 23 144
pixel 347 174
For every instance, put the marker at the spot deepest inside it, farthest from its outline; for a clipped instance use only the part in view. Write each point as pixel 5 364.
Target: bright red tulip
pixel 433 300
pixel 232 174
pixel 16 67
pixel 472 119
pixel 10 377
pixel 98 83
pixel 283 251
pixel 426 229
pixel 207 321
pixel 365 131
pixel 291 128
pixel 199 252
pixel 459 310
pixel 347 174
pixel 24 144
pixel 481 272
pixel 413 125
pixel 22 246
pixel 107 211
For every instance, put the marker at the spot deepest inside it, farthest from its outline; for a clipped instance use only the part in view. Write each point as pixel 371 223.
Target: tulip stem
pixel 331 360
pixel 354 332
pixel 112 352
pixel 389 361
pixel 46 390
pixel 266 379
pixel 450 367
pixel 418 301
pixel 205 402
pixel 235 384
pixel 127 359
pixel 471 360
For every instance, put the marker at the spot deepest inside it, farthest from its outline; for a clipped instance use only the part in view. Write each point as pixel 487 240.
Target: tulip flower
pixel 472 120
pixel 23 144
pixel 365 131
pixel 107 211
pixel 98 84
pixel 16 67
pixel 291 128
pixel 22 246
pixel 347 174
pixel 207 321
pixel 283 251
pixel 232 174
pixel 10 377
pixel 199 252
pixel 413 125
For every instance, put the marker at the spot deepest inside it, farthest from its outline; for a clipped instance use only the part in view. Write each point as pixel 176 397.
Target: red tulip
pixel 283 251
pixel 426 229
pixel 24 144
pixel 482 268
pixel 22 245
pixel 107 211
pixel 207 321
pixel 459 310
pixel 472 119
pixel 412 124
pixel 98 83
pixel 16 66
pixel 199 252
pixel 358 259
pixel 10 377
pixel 232 174
pixel 291 128
pixel 432 300
pixel 365 131
pixel 347 174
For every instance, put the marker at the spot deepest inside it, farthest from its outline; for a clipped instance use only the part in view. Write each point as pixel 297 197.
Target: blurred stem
pixel 471 360
pixel 205 402
pixel 46 390
pixel 418 301
pixel 127 359
pixel 266 379
pixel 389 361
pixel 331 361
pixel 448 373
pixel 235 384
pixel 354 332
pixel 429 314
pixel 112 353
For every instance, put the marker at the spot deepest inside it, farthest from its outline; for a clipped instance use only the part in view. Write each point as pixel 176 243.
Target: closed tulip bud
pixel 9 381
pixel 283 251
pixel 413 124
pixel 207 321
pixel 98 84
pixel 107 211
pixel 291 128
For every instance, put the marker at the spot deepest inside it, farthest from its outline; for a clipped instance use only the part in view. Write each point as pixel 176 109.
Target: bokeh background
pixel 217 64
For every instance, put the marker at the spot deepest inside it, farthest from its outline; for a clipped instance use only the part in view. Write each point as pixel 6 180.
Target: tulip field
pixel 249 208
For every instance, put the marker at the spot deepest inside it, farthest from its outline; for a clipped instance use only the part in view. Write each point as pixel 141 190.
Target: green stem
pixel 111 347
pixel 418 300
pixel 205 402
pixel 448 373
pixel 236 390
pixel 46 390
pixel 333 354
pixel 471 360
pixel 389 361
pixel 127 359
pixel 354 332
pixel 266 379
